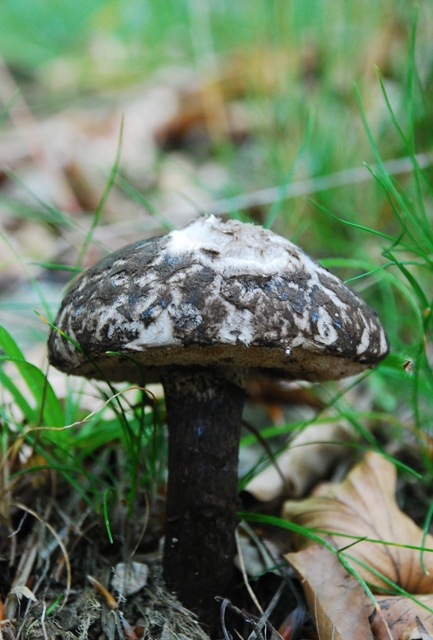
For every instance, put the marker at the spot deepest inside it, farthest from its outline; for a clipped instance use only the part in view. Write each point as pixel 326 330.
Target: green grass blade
pixel 348 223
pixel 276 206
pixel 411 73
pixel 141 199
pixel 35 380
pixel 49 213
pixel 32 280
pixel 411 279
pixel 30 415
pixel 56 266
pixel 100 207
pixel 9 346
pixel 106 518
pixel 50 409
pixel 4 114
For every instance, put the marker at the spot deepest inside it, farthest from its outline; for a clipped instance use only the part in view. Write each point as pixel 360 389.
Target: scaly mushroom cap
pixel 214 294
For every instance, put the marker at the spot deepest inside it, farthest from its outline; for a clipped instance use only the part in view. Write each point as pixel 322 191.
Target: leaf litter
pixel 372 547
pixel 130 601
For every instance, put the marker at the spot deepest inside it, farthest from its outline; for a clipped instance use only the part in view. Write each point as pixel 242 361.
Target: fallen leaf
pixel 337 602
pixel 127 629
pixel 364 506
pixel 407 619
pixel 308 460
pixel 341 609
pixel 23 591
pixel 129 578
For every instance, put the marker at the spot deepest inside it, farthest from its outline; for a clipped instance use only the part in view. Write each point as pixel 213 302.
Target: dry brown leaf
pixel 337 602
pixel 364 505
pixel 406 618
pixel 341 609
pixel 312 454
pixel 129 578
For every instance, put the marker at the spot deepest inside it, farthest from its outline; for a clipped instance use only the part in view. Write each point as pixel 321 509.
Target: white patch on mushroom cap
pixel 158 334
pixel 383 341
pixel 237 247
pixel 327 333
pixel 365 341
pixel 119 279
pixel 238 328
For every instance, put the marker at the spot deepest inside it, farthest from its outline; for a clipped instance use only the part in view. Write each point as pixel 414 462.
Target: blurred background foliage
pixel 261 94
pixel 285 60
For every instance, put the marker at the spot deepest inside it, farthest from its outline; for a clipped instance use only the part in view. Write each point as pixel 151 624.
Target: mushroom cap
pixel 214 294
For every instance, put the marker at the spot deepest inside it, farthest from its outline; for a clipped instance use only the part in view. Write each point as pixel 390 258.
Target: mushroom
pixel 199 310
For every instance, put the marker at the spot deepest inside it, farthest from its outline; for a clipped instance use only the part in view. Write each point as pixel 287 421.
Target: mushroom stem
pixel 204 410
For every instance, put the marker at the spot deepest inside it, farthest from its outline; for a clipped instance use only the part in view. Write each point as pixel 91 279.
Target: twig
pixel 22 575
pixel 309 186
pixel 144 527
pixel 44 631
pixel 33 549
pixel 244 573
pixel 265 617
